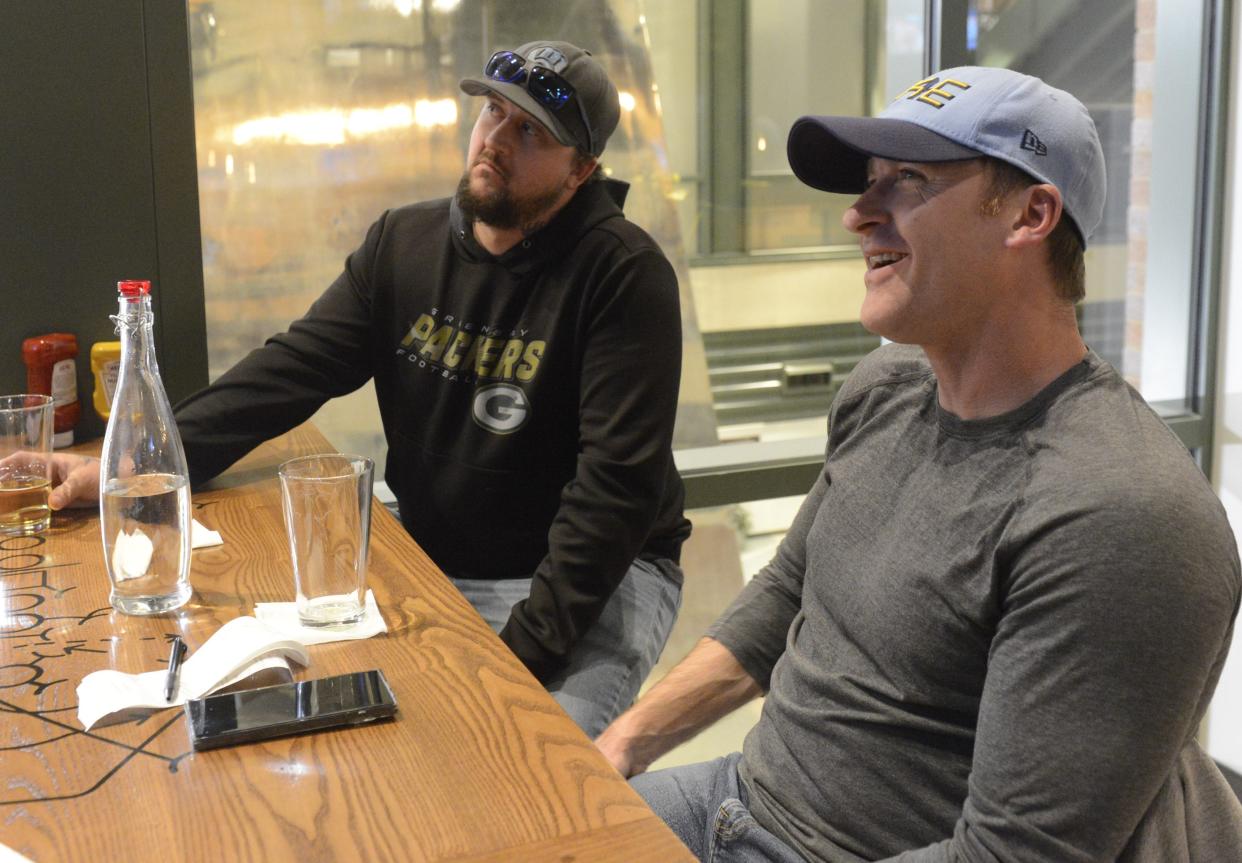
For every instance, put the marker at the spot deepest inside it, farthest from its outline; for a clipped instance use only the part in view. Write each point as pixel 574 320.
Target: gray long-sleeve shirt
pixel 984 640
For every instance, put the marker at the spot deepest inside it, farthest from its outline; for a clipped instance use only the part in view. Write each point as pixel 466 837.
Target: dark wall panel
pixel 97 181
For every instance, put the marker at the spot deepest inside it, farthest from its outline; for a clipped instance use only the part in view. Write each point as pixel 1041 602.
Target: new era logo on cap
pixel 1030 141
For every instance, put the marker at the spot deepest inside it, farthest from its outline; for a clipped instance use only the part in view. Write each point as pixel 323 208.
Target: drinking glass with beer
pixel 25 463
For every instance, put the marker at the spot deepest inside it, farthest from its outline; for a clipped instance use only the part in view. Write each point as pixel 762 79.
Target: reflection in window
pixel 314 116
pixel 1127 61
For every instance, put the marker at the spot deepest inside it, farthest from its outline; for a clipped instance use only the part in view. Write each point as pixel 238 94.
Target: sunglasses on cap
pixel 548 88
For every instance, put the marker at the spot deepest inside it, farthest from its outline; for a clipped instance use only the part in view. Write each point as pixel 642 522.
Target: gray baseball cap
pixel 964 113
pixel 585 120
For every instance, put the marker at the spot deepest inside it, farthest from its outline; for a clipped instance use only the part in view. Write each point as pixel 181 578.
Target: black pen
pixel 174 667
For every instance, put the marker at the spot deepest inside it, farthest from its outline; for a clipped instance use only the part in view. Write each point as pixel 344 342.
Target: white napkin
pixel 201 537
pixel 241 648
pixel 8 855
pixel 132 552
pixel 283 618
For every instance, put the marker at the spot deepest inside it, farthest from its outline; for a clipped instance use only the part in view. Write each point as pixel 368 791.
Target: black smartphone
pixel 290 708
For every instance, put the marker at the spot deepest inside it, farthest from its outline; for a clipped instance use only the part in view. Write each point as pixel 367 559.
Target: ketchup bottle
pixel 52 371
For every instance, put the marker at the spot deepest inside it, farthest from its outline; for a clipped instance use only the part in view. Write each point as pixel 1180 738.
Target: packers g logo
pixel 500 408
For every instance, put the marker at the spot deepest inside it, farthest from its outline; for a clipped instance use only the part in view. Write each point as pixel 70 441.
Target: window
pixel 314 116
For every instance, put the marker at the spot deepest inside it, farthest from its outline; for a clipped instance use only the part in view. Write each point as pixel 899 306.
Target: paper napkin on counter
pixel 201 537
pixel 240 649
pixel 283 618
pixel 8 855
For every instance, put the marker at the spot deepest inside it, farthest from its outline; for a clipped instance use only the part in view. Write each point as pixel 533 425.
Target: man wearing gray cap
pixel 998 619
pixel 525 343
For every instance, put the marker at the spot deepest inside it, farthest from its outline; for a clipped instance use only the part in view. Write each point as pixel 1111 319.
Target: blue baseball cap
pixel 964 113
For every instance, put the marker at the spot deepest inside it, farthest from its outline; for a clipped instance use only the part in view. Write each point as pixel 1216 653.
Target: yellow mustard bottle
pixel 106 364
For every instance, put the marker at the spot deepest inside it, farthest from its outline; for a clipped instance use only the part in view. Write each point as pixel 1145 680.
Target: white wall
pixel 1224 739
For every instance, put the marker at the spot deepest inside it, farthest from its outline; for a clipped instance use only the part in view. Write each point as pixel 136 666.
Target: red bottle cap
pixel 133 288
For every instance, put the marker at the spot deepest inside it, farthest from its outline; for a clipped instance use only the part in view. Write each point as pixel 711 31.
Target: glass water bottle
pixel 144 500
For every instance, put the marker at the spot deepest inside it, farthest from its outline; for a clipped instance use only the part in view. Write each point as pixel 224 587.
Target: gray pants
pixel 613 659
pixel 705 805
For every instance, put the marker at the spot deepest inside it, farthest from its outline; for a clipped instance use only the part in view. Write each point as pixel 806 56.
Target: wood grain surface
pixel 479 764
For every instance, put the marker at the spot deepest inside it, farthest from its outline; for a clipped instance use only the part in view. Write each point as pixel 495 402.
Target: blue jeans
pixel 615 655
pixel 705 805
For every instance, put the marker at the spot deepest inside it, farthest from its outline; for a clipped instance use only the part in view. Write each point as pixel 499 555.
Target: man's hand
pixel 621 749
pixel 708 684
pixel 75 481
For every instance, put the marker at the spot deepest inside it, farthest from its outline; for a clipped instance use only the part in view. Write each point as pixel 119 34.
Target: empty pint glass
pixel 25 463
pixel 327 504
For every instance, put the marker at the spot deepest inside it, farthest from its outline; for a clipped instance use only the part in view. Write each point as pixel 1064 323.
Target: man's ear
pixel 582 169
pixel 1039 212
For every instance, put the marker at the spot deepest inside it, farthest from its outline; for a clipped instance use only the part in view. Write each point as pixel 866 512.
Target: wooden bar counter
pixel 479 764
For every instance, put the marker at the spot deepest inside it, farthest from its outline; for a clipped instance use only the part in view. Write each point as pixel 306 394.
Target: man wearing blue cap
pixel 998 619
pixel 524 339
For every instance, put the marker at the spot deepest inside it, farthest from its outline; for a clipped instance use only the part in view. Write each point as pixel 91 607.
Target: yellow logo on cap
pixel 930 91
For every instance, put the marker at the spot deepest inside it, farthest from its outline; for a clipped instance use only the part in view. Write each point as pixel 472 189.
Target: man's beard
pixel 500 209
